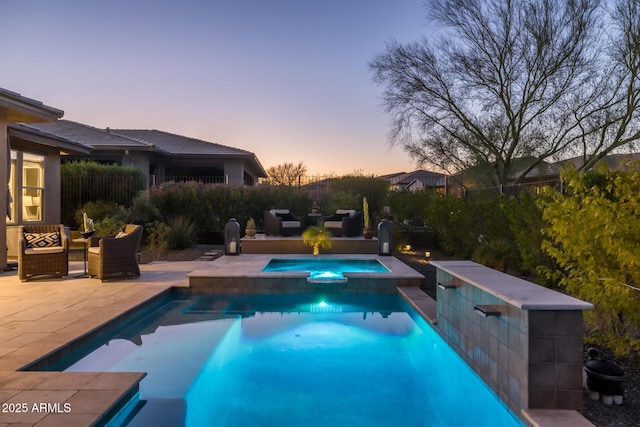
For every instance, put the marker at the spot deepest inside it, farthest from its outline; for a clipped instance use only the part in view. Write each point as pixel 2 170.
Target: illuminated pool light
pixel 326 277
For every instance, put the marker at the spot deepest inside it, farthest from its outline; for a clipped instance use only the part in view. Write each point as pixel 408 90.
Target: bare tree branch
pixel 515 78
pixel 286 174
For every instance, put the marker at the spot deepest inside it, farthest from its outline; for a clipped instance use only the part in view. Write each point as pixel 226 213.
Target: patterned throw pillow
pixel 42 240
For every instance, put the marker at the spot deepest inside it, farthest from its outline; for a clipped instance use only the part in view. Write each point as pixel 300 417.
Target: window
pixel 11 214
pixel 32 186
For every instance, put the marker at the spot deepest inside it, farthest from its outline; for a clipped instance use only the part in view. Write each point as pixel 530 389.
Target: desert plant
pixel 317 237
pixel 180 233
pixel 251 223
pixel 157 232
pixel 365 210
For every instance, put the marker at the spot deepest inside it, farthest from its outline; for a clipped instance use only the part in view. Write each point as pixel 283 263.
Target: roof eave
pixel 50 140
pixel 23 109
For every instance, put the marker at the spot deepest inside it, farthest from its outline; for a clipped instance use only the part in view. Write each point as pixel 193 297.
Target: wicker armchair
pixel 43 250
pixel 345 223
pixel 281 222
pixel 116 257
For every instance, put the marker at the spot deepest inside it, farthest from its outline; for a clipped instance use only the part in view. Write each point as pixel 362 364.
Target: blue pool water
pixel 326 269
pixel 333 360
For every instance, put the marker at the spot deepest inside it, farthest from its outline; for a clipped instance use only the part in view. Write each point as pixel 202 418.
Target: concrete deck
pixel 39 317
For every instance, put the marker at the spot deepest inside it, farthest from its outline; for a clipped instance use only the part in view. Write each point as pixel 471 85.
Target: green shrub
pixel 594 237
pixel 142 211
pixel 526 223
pixel 498 254
pixel 157 232
pixel 210 206
pixel 346 192
pixel 108 226
pixel 84 181
pixel 97 211
pixel 180 233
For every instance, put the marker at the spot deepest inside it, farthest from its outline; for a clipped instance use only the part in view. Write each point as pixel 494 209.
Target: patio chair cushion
pixel 332 224
pixel 120 234
pixel 42 240
pixel 291 224
pixel 335 220
pixel 45 250
pixel 346 212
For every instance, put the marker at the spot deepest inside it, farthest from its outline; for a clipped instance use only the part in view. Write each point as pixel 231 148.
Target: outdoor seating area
pixel 342 223
pixel 44 253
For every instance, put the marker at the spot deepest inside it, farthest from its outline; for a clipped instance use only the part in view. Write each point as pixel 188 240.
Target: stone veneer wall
pixel 531 358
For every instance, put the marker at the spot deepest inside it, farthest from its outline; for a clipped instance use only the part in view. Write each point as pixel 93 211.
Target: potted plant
pixel 317 237
pixel 367 232
pixel 250 230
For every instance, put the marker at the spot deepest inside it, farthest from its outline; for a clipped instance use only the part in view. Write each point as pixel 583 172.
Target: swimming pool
pixel 326 269
pixel 291 360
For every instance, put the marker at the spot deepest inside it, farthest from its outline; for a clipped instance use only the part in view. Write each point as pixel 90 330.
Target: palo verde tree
pixel 511 79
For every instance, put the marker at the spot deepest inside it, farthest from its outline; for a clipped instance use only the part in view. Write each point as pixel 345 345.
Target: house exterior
pixel 29 167
pixel 416 181
pixel 162 156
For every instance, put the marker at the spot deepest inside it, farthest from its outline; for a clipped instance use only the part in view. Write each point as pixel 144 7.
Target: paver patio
pixel 40 316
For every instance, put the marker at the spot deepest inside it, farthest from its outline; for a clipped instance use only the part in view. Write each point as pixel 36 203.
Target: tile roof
pixel 25 131
pixel 136 139
pixel 428 178
pixel 89 135
pixel 178 144
pixel 164 143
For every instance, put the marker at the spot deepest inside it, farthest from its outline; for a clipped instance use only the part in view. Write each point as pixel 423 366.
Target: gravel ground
pixel 601 415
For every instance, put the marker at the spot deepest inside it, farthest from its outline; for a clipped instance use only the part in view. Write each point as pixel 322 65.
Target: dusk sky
pixel 286 79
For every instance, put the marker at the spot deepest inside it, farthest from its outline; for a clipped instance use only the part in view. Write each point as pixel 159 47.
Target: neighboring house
pixel 621 162
pixel 29 167
pixel 544 174
pixel 161 155
pixel 416 181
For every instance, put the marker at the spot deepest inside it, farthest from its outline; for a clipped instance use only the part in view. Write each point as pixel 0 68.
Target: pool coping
pixel 85 305
pixel 243 274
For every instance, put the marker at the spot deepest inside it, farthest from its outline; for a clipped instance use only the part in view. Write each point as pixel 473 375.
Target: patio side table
pixel 85 244
pixel 314 218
